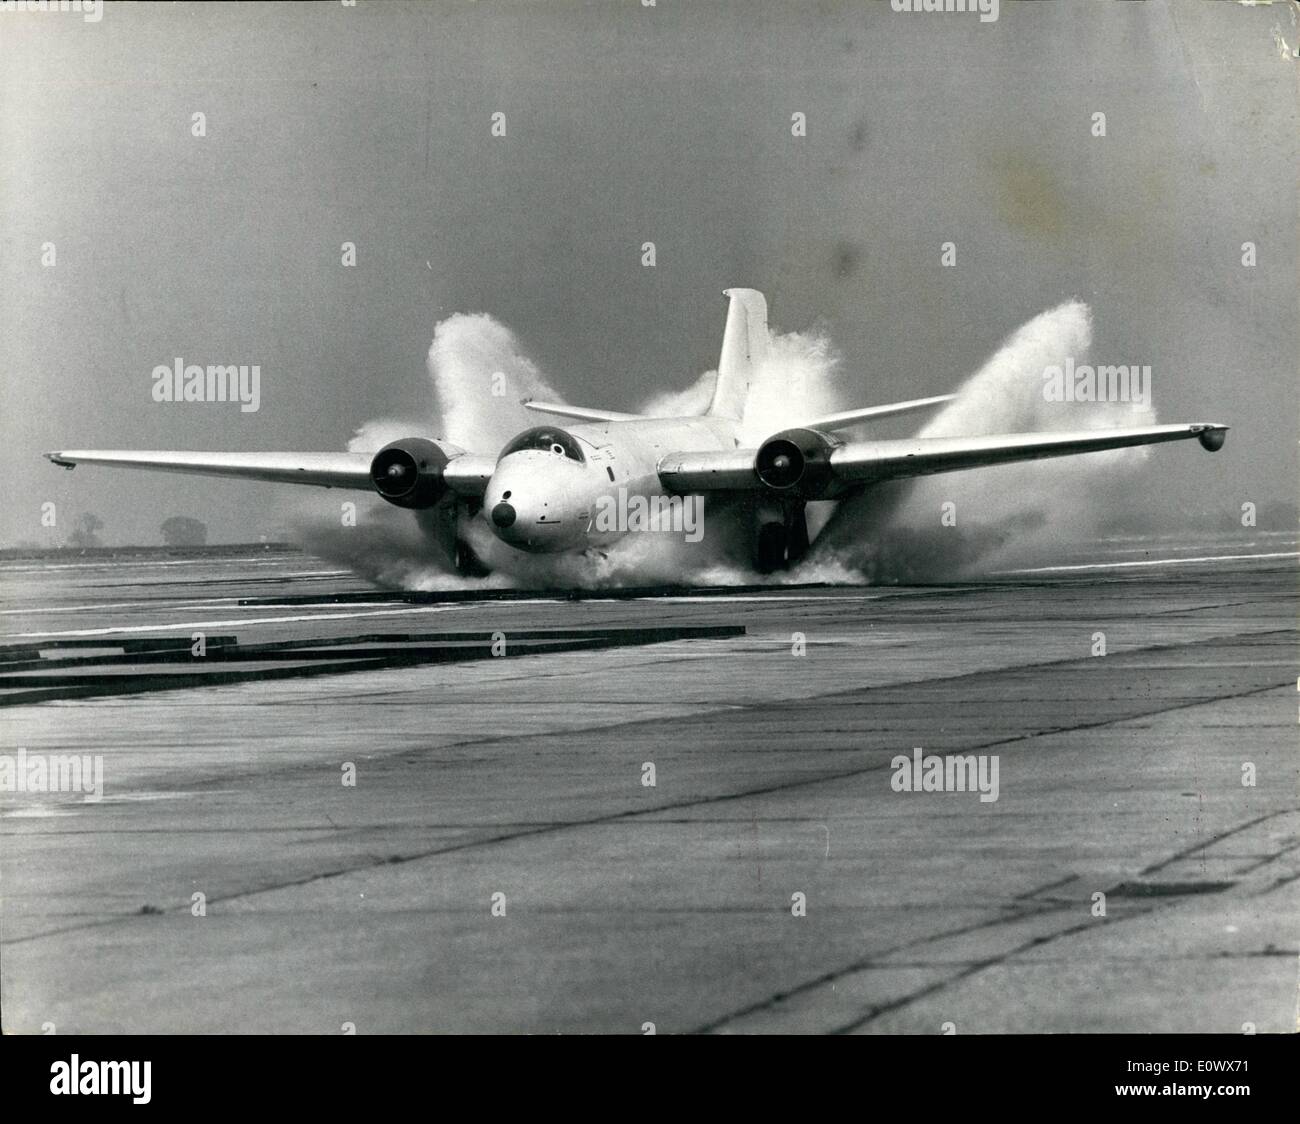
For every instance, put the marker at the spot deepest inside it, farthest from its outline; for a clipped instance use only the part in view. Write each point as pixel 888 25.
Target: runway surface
pixel 500 864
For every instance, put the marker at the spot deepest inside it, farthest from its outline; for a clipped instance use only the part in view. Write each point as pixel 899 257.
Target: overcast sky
pixel 625 124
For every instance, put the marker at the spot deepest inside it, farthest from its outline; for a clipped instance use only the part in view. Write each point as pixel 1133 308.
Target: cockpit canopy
pixel 546 439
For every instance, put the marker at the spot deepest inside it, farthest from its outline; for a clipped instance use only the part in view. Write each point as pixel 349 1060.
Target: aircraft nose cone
pixel 503 515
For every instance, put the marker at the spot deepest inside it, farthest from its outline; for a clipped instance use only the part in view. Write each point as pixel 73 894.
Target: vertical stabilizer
pixel 744 346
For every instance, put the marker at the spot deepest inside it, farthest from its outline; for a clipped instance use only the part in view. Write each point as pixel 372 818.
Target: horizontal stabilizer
pixel 852 417
pixel 578 413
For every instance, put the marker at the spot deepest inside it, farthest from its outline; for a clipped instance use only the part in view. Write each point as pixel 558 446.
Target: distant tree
pixel 87 531
pixel 181 530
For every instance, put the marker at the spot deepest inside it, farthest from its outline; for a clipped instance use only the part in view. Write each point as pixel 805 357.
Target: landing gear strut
pixel 468 564
pixel 782 537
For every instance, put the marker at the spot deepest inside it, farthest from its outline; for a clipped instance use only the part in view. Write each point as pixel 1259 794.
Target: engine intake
pixel 796 462
pixel 408 472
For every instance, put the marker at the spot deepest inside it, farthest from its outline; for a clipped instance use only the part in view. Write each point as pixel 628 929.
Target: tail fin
pixel 744 346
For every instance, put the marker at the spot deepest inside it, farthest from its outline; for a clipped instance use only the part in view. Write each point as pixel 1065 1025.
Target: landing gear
pixel 780 545
pixel 769 554
pixel 468 564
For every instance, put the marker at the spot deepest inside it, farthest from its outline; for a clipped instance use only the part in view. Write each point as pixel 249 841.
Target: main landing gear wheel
pixel 468 564
pixel 771 548
pixel 781 545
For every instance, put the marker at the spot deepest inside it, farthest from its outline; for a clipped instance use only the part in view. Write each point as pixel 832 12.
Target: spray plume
pixel 1004 515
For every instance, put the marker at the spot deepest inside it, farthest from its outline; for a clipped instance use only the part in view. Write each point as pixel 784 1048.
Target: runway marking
pixel 731 598
pixel 1240 546
pixel 37 812
pixel 116 605
pixel 62 679
pixel 120 563
pixel 1151 562
pixel 236 623
pixel 75 808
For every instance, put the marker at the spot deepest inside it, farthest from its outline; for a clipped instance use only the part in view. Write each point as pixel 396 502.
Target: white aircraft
pixel 540 492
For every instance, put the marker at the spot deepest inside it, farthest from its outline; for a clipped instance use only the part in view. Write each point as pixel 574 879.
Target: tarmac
pixel 668 810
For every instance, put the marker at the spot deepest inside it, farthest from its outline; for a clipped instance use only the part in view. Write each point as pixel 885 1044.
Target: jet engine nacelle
pixel 796 462
pixel 409 472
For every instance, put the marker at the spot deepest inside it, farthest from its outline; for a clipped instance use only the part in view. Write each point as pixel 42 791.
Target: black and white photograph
pixel 649 517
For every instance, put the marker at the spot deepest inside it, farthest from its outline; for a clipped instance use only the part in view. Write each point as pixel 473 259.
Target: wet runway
pixel 501 862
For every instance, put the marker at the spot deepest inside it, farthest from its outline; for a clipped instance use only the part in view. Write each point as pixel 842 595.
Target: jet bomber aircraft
pixel 540 493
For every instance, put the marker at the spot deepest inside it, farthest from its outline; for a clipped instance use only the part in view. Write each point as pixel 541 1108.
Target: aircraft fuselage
pixel 543 497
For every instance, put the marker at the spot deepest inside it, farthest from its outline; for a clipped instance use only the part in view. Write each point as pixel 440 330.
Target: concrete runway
pixel 624 905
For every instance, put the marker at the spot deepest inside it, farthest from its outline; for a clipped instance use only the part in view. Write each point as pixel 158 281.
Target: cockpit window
pixel 547 439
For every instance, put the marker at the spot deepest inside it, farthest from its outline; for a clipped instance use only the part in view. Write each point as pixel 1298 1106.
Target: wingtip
pixel 1212 435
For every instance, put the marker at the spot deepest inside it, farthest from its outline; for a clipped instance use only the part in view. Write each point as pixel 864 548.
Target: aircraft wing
pixel 873 461
pixel 465 474
pixel 800 459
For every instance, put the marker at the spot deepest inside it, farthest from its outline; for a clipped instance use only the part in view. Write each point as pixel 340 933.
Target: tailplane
pixel 744 347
